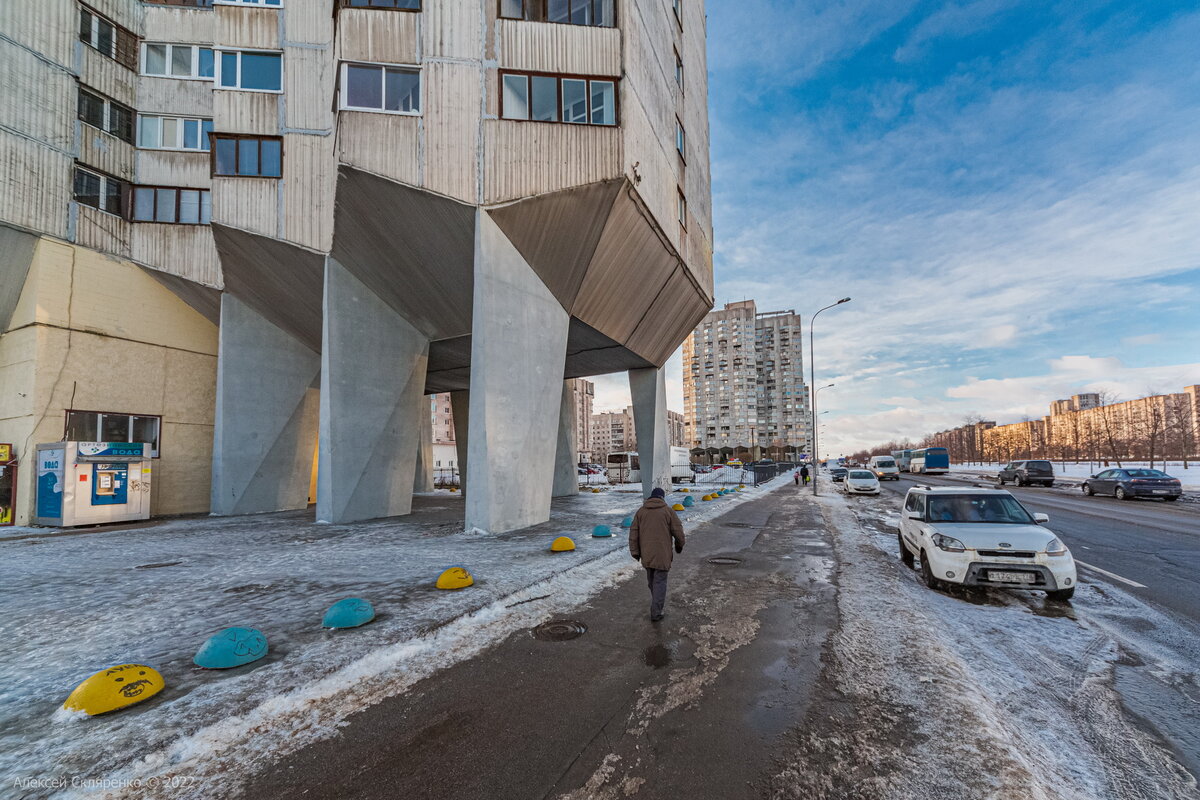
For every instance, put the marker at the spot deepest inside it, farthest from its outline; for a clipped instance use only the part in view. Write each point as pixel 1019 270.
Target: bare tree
pixel 1148 428
pixel 1110 426
pixel 1181 425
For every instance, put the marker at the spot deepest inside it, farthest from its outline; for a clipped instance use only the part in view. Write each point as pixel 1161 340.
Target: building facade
pixel 743 382
pixel 486 198
pixel 675 429
pixel 612 432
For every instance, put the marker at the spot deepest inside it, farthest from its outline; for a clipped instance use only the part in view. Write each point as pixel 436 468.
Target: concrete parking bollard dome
pixel 627 522
pixel 349 613
pixel 115 688
pixel 455 578
pixel 689 501
pixel 232 647
pixel 563 544
pixel 602 531
pixel 677 507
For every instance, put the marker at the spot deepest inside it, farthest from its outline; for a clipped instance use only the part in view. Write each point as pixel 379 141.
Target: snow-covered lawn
pixel 1075 473
pixel 74 604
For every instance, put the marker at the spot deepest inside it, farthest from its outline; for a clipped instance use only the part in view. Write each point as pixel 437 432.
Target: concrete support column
pixel 649 390
pixel 423 480
pixel 566 459
pixel 518 353
pixel 372 403
pixel 460 410
pixel 266 415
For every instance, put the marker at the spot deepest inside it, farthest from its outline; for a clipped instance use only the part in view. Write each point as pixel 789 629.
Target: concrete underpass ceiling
pixel 205 300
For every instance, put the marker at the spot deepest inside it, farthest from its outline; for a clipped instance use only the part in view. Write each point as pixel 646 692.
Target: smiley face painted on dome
pixel 455 578
pixel 232 647
pixel 115 688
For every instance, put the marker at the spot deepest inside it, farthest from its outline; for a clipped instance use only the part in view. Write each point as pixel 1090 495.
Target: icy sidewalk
pixel 75 604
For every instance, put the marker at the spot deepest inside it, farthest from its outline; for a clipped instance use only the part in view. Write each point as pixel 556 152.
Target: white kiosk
pixel 92 483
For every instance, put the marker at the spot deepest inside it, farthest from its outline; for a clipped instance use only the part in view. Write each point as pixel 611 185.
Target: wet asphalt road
pixel 1148 542
pixel 697 706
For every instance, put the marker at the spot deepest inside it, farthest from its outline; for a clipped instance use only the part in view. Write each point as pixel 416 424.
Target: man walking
pixel 804 473
pixel 654 526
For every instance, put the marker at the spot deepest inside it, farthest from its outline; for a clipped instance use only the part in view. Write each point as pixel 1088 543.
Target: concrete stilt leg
pixel 372 400
pixel 460 409
pixel 266 415
pixel 423 481
pixel 649 390
pixel 518 352
pixel 566 459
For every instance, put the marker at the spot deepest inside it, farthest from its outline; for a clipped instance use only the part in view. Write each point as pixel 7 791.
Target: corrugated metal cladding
pixel 658 163
pixel 309 183
pixel 527 158
pixel 309 79
pixel 452 103
pixel 105 152
pixel 308 21
pixel 175 96
pixel 101 231
pixel 35 185
pixel 107 77
pixel 123 12
pixel 451 28
pixel 38 25
pixel 172 168
pixel 184 250
pixel 248 204
pixel 35 98
pixel 573 49
pixel 389 37
pixel 179 24
pixel 245 26
pixel 385 144
pixel 246 112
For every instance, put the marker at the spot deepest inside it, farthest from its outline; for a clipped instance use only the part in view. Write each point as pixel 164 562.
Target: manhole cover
pixel 739 525
pixel 157 566
pixel 559 630
pixel 724 561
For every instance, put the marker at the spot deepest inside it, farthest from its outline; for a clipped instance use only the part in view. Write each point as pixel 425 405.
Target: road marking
pixel 1114 576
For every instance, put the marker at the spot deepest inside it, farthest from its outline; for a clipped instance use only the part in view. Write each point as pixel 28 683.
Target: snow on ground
pixel 990 694
pixel 75 604
pixel 1075 473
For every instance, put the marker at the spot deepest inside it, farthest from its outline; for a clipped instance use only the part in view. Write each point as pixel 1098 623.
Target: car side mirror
pixel 1041 519
pixel 913 514
pixel 1091 476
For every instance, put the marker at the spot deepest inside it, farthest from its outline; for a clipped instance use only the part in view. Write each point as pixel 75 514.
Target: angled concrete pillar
pixel 266 415
pixel 423 480
pixel 566 459
pixel 460 410
pixel 518 352
pixel 372 401
pixel 649 390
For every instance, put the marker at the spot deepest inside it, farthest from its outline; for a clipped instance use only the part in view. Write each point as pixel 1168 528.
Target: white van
pixel 885 468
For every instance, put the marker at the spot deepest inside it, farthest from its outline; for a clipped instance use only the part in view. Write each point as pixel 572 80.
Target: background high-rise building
pixel 743 382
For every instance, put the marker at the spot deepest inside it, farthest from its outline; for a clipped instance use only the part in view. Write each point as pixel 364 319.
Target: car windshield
pixel 859 474
pixel 978 508
pixel 1146 473
pixel 887 463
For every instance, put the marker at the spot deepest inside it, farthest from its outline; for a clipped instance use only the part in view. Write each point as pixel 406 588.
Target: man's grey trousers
pixel 656 579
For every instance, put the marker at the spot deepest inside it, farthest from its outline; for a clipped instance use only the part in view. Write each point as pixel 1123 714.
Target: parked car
pixel 860 481
pixel 1027 473
pixel 838 474
pixel 1126 484
pixel 983 537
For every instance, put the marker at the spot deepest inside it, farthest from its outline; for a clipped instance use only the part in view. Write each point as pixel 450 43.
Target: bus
pixel 930 461
pixel 903 459
pixel 627 468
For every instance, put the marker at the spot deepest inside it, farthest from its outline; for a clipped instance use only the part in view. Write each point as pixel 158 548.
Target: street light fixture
pixel 812 379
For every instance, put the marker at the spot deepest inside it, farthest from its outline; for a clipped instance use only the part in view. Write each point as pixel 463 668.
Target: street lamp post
pixel 812 380
pixel 816 457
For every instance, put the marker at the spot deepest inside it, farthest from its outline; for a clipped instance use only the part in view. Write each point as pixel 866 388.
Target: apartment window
pixel 177 61
pixel 551 98
pixel 677 7
pixel 377 87
pixel 679 70
pixel 103 426
pixel 100 191
pixel 596 13
pixel 247 156
pixel 399 5
pixel 250 70
pixel 107 115
pixel 680 139
pixel 683 213
pixel 173 133
pixel 97 32
pixel 261 3
pixel 172 204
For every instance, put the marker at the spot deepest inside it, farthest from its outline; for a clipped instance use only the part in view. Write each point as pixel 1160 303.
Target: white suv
pixel 983 537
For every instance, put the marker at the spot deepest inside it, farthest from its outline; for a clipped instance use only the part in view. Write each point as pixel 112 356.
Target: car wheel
pixel 1170 499
pixel 1061 594
pixel 1017 480
pixel 1049 484
pixel 927 573
pixel 1121 494
pixel 906 556
pixel 1000 480
pixel 1087 489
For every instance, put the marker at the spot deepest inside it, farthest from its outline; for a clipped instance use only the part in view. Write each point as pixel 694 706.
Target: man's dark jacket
pixel 654 527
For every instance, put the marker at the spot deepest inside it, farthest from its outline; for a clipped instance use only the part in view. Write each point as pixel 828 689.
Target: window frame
pixel 343 70
pixel 178 205
pixel 680 139
pixel 679 72
pixel 204 135
pixel 347 4
pixel 218 52
pixel 277 4
pixel 105 179
pixel 107 122
pixel 559 77
pixel 195 76
pixel 239 137
pixel 155 447
pixel 682 209
pixel 541 13
pixel 94 34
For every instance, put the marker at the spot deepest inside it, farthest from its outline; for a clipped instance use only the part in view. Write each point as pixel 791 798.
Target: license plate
pixel 1161 491
pixel 1010 577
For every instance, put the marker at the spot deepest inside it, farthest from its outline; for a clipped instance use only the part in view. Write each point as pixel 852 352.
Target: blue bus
pixel 930 461
pixel 903 459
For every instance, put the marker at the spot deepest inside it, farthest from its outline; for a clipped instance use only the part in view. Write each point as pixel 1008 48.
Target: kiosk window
pixel 101 426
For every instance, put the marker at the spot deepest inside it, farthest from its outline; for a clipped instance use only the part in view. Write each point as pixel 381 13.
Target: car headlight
pixel 1056 547
pixel 948 543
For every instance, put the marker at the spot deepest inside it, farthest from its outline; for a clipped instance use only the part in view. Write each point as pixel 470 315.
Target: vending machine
pixel 92 483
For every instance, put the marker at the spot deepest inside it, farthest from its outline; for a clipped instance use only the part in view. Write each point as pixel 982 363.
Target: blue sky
pixel 1009 190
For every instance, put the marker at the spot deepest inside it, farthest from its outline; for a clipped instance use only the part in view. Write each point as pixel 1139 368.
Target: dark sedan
pixel 838 474
pixel 1126 484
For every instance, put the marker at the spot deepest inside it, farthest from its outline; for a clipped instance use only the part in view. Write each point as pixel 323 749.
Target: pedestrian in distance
pixel 655 526
pixel 804 474
pixel 796 477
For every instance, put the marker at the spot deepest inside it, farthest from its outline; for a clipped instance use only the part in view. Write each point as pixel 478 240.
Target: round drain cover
pixel 158 566
pixel 724 561
pixel 559 630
